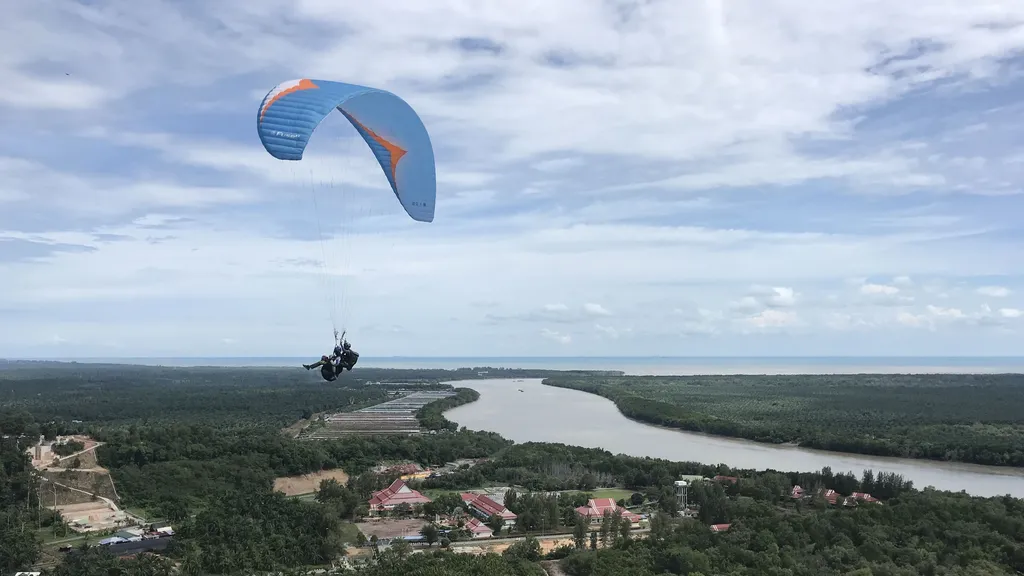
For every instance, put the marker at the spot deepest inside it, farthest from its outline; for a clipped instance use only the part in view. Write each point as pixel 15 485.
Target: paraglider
pixel 342 358
pixel 292 111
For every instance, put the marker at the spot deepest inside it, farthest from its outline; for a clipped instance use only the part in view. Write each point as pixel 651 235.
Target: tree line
pixel 431 416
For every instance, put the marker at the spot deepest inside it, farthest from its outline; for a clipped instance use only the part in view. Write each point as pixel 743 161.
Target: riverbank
pixel 559 415
pixel 974 419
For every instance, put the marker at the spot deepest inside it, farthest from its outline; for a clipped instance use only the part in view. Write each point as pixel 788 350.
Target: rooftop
pixel 596 507
pixel 397 493
pixel 487 506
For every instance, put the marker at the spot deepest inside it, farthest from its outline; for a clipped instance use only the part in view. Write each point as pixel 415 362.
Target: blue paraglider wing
pixel 394 132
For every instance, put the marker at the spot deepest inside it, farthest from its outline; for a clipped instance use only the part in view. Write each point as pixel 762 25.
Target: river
pixel 546 414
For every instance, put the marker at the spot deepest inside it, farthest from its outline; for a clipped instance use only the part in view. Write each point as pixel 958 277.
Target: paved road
pixel 488 541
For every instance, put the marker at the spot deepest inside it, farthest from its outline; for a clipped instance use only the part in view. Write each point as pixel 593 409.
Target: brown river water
pixel 546 414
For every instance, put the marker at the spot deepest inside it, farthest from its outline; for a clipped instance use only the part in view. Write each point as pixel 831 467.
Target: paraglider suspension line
pixel 323 261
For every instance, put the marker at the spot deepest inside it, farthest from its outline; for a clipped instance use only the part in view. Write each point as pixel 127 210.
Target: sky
pixel 630 178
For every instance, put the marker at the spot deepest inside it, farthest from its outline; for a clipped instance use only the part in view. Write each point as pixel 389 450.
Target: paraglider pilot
pixel 342 358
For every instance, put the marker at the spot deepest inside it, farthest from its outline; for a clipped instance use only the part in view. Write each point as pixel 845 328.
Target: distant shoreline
pixel 630 365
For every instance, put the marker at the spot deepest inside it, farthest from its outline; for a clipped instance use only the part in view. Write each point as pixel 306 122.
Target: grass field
pixel 49 540
pixel 433 493
pixel 349 532
pixel 139 512
pixel 613 493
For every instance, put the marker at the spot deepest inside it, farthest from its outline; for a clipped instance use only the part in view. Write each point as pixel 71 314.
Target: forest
pixel 975 418
pixel 66 392
pixel 208 466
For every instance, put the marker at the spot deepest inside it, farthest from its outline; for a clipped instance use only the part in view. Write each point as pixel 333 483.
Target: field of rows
pixel 397 416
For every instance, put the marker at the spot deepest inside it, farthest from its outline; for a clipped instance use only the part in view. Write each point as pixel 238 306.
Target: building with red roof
pixel 720 527
pixel 728 479
pixel 397 493
pixel 484 507
pixel 596 507
pixel 857 497
pixel 478 529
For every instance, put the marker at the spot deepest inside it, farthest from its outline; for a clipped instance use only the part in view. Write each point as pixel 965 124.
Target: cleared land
pixel 74 486
pixel 47 458
pixel 394 417
pixel 307 483
pixel 85 460
pixel 84 494
pixel 391 528
pixel 93 516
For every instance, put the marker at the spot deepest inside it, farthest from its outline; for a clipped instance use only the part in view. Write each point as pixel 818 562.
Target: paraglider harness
pixel 327 372
pixel 343 358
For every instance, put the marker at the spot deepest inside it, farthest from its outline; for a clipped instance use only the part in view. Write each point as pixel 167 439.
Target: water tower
pixel 681 488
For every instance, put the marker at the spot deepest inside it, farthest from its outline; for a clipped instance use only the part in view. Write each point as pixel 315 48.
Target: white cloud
pixel 607 331
pixel 934 317
pixel 746 304
pixel 556 336
pixel 939 312
pixel 994 291
pixel 916 320
pixel 844 321
pixel 782 296
pixel 882 289
pixel 596 309
pixel 1010 313
pixel 773 319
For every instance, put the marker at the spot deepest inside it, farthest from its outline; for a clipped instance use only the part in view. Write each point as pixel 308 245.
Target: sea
pixel 635 365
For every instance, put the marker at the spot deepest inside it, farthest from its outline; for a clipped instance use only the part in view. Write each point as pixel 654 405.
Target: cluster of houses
pixel 830 496
pixel 833 497
pixel 797 493
pixel 483 507
pixel 151 532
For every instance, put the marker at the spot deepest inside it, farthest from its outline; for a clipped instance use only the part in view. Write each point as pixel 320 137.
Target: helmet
pixel 324 358
pixel 347 346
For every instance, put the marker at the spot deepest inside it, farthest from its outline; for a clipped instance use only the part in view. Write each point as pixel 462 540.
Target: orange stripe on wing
pixel 396 152
pixel 304 84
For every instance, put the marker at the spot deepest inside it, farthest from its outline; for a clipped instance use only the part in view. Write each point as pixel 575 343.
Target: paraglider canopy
pixel 394 132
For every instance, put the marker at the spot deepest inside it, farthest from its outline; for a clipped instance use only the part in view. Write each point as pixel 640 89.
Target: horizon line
pixel 656 357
